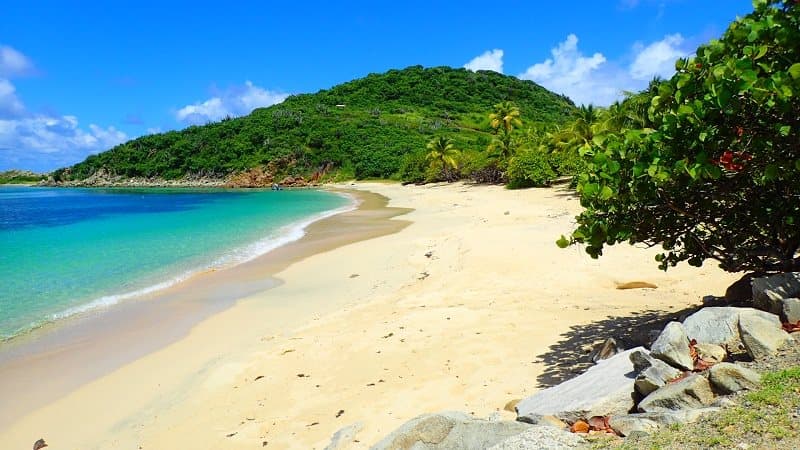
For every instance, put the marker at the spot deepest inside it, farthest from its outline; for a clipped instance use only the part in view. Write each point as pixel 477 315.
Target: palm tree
pixel 505 116
pixel 442 152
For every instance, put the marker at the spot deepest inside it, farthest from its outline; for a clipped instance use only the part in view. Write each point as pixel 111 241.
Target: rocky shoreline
pixel 693 369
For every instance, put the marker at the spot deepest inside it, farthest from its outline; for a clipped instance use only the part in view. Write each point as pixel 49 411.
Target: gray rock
pixel 344 436
pixel 720 325
pixel 790 310
pixel 690 393
pixel 729 378
pixel 607 349
pixel 606 388
pixel 761 337
pixel 769 291
pixel 711 353
pixel 653 373
pixel 541 438
pixel 449 430
pixel 649 422
pixel 672 347
pixel 546 421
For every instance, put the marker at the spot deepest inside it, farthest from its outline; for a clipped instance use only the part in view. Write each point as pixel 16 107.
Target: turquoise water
pixel 66 251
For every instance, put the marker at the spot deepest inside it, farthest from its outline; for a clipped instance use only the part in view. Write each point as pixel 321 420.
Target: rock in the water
pixel 604 389
pixel 450 430
pixel 536 437
pixel 344 436
pixel 769 291
pixel 607 349
pixel 761 337
pixel 649 422
pixel 791 310
pixel 653 373
pixel 672 347
pixel 729 378
pixel 711 353
pixel 720 325
pixel 690 393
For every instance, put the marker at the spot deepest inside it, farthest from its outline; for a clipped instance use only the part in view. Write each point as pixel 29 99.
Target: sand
pixel 466 308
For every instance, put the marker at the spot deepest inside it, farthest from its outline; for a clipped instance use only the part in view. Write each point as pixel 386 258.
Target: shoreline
pixel 464 308
pixel 168 314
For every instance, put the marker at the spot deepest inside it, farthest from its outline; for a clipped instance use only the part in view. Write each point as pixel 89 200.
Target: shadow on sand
pixel 570 356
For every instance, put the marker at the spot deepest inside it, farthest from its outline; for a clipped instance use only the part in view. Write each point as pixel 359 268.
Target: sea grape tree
pixel 714 171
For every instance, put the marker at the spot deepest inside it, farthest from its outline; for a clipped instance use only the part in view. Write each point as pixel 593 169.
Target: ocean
pixel 69 251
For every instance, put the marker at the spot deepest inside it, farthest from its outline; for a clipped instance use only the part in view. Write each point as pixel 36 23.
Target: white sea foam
pixel 280 237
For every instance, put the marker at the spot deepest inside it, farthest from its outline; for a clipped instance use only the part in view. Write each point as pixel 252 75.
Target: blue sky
pixel 79 77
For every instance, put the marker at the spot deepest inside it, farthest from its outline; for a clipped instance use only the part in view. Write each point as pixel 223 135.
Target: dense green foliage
pixel 375 126
pixel 530 168
pixel 706 164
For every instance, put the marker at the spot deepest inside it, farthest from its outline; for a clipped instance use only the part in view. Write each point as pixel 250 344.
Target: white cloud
pixel 14 63
pixel 488 60
pixel 154 130
pixel 10 104
pixel 235 101
pixel 595 80
pixel 658 58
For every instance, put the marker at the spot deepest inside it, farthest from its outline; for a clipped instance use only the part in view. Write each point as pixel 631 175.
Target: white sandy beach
pixel 464 309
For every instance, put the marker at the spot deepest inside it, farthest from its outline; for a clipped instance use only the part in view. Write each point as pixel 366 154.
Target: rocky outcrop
pixel 769 291
pixel 449 430
pixel 652 373
pixel 672 347
pixel 690 393
pixel 730 378
pixel 720 325
pixel 606 388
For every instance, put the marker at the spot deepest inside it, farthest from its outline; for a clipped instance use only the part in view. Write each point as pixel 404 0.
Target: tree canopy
pixel 710 166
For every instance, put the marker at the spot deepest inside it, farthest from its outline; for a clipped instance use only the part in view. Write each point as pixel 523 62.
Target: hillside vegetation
pixel 374 127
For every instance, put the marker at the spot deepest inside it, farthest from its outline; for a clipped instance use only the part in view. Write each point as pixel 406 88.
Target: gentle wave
pixel 282 236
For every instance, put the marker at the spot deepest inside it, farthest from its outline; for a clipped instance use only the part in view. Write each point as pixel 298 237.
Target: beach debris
pixel 312 424
pixel 355 275
pixel 511 405
pixel 231 434
pixel 388 336
pixel 264 443
pixel 258 377
pixel 507 213
pixel 429 254
pixel 339 414
pixel 579 427
pixel 287 351
pixel 605 350
pixel 302 375
pixel 39 444
pixel 423 275
pixel 791 327
pixel 636 285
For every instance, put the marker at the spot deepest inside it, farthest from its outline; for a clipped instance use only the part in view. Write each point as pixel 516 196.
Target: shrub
pixel 530 168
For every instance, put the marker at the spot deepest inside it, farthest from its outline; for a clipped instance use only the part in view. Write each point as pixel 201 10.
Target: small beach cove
pixel 47 363
pixel 468 307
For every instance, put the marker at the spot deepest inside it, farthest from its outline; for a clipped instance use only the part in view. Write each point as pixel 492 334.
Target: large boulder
pixel 652 373
pixel 730 378
pixel 541 438
pixel 769 291
pixel 449 430
pixel 690 393
pixel 672 347
pixel 761 337
pixel 720 325
pixel 606 388
pixel 791 310
pixel 648 422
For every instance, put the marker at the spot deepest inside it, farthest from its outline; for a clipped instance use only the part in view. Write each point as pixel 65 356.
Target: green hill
pixel 361 128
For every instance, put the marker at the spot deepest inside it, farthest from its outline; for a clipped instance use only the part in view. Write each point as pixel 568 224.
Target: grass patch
pixel 766 418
